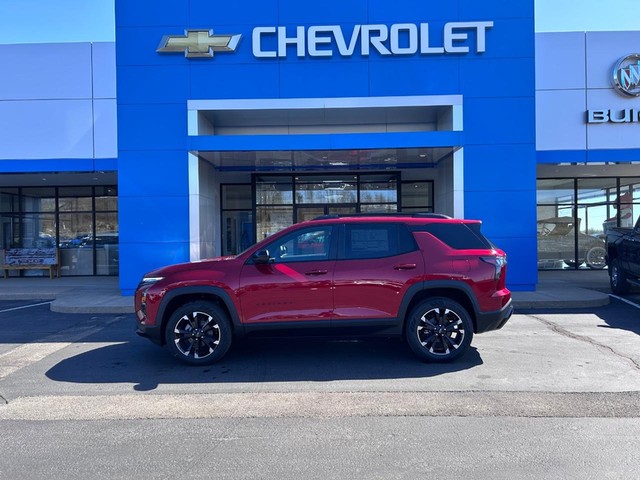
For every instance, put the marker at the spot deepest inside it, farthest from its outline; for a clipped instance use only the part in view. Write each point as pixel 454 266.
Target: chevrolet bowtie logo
pixel 198 43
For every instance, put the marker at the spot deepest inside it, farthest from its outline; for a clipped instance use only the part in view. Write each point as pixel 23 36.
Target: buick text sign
pixel 330 40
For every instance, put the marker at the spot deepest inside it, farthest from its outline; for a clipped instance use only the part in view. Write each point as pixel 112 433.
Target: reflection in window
pixel 38 199
pixel 270 220
pixel 63 217
pixel 308 245
pixel 274 190
pixel 417 196
pixel 574 215
pixel 327 191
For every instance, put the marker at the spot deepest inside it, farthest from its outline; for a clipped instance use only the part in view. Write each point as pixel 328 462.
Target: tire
pixel 198 333
pixel 596 258
pixel 571 263
pixel 439 330
pixel 618 279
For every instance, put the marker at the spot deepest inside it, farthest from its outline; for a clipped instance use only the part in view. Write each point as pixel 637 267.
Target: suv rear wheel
pixel 618 278
pixel 198 333
pixel 439 330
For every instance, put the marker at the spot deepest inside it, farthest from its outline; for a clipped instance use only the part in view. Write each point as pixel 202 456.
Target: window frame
pixel 332 229
pixel 398 227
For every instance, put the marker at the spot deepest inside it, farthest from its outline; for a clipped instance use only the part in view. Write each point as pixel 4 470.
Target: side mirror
pixel 261 257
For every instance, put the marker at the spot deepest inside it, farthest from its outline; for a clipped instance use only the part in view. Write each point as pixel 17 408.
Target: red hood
pixel 184 267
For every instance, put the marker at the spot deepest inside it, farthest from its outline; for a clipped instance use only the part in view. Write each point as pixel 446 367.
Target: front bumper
pixel 152 332
pixel 487 321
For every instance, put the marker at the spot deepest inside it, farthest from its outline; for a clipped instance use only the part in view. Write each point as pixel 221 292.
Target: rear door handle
pixel 316 272
pixel 404 266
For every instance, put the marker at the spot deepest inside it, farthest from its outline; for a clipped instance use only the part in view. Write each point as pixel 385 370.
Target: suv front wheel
pixel 198 333
pixel 439 330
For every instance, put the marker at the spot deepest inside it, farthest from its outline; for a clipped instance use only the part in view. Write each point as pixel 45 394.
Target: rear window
pixel 459 236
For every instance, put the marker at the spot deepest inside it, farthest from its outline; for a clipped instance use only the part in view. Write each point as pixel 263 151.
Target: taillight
pixel 498 261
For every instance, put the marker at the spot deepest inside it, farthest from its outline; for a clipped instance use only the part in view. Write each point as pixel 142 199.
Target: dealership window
pixel 252 212
pixel 82 222
pixel 237 218
pixel 417 196
pixel 574 215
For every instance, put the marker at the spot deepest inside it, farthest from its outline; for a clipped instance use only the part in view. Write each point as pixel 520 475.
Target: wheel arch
pixel 174 299
pixel 457 291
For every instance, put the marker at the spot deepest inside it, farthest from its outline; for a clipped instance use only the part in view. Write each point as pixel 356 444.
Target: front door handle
pixel 316 272
pixel 404 266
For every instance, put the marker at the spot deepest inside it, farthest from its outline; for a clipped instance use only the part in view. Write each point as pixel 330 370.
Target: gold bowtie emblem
pixel 198 43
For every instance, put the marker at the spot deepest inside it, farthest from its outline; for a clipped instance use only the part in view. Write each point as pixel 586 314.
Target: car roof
pixel 413 218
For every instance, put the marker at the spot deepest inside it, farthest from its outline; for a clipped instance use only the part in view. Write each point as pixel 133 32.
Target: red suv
pixel 430 278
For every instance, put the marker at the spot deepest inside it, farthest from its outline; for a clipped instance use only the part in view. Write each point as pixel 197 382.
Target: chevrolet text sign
pixel 397 39
pixel 329 40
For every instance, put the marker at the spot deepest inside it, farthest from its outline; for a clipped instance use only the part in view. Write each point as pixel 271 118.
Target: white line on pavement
pixel 624 300
pixel 24 306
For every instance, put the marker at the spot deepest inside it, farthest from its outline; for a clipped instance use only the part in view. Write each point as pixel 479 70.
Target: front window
pixel 306 245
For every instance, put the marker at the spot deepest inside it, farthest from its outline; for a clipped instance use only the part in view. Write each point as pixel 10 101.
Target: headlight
pixel 146 282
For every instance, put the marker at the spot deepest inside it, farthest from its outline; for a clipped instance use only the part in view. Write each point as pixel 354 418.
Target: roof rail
pixel 384 214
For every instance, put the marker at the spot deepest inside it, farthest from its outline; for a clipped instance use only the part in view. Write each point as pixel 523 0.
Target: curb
pixel 557 299
pixel 121 305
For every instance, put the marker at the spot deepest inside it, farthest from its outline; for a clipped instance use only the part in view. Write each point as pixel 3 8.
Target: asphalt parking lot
pixel 551 351
pixel 554 394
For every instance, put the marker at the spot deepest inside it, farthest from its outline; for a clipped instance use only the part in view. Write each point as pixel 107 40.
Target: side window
pixel 305 245
pixel 374 240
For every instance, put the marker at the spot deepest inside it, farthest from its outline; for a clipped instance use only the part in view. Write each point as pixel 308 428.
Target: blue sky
pixel 34 21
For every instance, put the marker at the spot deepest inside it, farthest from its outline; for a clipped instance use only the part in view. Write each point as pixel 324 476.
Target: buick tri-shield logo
pixel 626 75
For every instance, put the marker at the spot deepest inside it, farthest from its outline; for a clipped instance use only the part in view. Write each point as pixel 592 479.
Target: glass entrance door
pixel 284 199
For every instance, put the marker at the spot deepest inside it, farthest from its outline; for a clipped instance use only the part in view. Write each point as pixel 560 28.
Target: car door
pixel 631 250
pixel 377 263
pixel 296 282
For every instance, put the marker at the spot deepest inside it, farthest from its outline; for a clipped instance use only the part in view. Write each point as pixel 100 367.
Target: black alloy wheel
pixel 198 333
pixel 439 330
pixel 618 279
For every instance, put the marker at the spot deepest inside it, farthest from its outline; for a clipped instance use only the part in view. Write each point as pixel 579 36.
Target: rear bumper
pixel 487 321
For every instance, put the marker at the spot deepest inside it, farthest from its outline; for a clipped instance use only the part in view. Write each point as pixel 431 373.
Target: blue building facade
pixel 236 119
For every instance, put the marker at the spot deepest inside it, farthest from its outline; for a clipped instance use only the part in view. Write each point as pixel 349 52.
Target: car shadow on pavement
pixel 616 315
pixel 256 360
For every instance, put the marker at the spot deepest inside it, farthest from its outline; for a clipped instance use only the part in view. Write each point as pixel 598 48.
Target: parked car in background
pixel 623 255
pixel 557 239
pixel 432 279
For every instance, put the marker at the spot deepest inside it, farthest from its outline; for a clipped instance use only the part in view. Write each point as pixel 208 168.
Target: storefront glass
pixel 282 200
pixel 237 218
pixel 81 222
pixel 574 215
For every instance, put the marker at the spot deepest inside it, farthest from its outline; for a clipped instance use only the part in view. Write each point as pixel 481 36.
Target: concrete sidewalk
pixel 69 294
pixel 556 289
